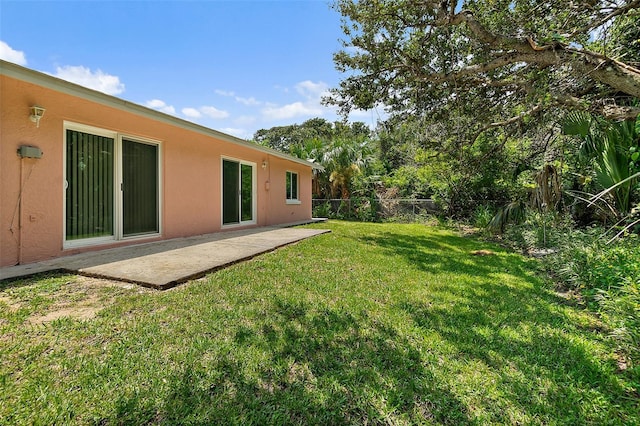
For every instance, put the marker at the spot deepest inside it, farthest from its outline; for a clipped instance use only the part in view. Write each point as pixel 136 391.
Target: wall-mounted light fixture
pixel 264 164
pixel 36 114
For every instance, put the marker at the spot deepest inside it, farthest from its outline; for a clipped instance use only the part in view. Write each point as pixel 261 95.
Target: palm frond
pixel 512 213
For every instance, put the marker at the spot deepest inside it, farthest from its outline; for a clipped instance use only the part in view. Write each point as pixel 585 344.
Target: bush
pixel 362 209
pixel 608 276
pixel 482 216
pixel 322 210
pixel 537 230
pixel 621 310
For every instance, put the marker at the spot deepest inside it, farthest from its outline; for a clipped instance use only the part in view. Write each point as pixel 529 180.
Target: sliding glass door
pixel 112 188
pixel 238 187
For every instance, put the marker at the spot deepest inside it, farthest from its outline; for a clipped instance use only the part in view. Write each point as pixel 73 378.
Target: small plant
pixel 322 210
pixel 482 216
pixel 513 213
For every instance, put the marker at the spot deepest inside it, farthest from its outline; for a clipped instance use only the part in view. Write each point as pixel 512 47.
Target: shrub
pixel 482 216
pixel 608 276
pixel 322 210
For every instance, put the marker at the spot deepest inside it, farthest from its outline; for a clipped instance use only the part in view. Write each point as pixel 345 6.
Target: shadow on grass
pixel 507 328
pixel 324 367
pixel 436 253
pixel 30 280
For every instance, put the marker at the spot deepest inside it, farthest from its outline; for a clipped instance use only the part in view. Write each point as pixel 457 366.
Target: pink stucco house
pixel 96 171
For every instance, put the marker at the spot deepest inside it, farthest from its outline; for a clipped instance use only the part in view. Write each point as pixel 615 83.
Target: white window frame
pixel 297 199
pixel 117 185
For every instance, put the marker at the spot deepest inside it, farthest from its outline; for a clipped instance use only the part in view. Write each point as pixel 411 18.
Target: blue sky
pixel 234 66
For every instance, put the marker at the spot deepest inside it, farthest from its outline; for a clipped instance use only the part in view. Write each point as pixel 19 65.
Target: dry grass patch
pixel 82 299
pixel 68 296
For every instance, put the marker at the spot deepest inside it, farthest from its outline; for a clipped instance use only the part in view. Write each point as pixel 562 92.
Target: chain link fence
pixel 374 209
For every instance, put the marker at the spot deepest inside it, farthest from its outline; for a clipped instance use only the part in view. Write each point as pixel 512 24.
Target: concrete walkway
pixel 164 264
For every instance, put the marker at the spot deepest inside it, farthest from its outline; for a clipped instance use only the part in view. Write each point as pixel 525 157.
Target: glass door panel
pixel 246 196
pixel 89 199
pixel 139 188
pixel 230 192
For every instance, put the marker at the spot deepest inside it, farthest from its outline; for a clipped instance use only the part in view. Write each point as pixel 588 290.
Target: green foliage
pixel 612 148
pixel 513 213
pixel 482 216
pixel 343 150
pixel 608 276
pixel 344 159
pixel 620 308
pixel 623 39
pixel 322 210
pixel 304 139
pixel 468 66
pixel 588 129
pixel 616 166
pixel 362 209
pixel 411 181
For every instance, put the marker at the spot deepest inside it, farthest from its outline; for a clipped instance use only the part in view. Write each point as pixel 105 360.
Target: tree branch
pixel 635 4
pixel 620 113
pixel 543 59
pixel 613 73
pixel 512 120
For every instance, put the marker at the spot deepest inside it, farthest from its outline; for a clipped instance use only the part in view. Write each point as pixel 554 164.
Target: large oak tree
pixel 496 62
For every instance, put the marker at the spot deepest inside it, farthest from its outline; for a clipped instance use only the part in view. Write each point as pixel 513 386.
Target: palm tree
pixel 610 146
pixel 312 150
pixel 343 160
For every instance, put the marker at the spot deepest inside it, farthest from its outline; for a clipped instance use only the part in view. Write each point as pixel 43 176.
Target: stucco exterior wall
pixel 32 190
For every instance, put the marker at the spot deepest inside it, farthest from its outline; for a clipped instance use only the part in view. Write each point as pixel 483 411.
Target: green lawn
pixel 372 323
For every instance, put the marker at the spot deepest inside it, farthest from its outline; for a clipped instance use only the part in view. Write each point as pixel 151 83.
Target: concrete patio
pixel 164 264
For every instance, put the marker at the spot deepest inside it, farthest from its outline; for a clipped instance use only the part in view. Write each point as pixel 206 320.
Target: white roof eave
pixel 25 74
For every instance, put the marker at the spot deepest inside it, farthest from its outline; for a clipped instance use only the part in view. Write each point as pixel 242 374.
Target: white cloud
pixel 213 112
pixel 161 106
pixel 310 106
pixel 251 101
pixel 191 112
pixel 239 133
pixel 10 55
pixel 209 111
pixel 224 92
pixel 98 80
pixel 312 90
pixel 295 109
pixel 248 101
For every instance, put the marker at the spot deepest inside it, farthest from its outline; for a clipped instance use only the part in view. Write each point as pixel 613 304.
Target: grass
pixel 370 324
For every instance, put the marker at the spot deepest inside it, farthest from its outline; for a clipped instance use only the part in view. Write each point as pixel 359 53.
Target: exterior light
pixel 36 114
pixel 264 164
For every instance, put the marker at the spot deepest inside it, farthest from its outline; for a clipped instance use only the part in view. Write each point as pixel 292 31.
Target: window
pixel 292 188
pixel 112 186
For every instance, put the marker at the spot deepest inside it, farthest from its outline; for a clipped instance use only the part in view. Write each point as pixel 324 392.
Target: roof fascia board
pixel 54 83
